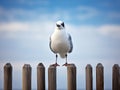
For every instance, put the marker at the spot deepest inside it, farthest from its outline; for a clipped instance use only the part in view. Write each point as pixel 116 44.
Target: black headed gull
pixel 60 42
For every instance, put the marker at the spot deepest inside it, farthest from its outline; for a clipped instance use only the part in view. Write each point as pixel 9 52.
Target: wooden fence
pixel 71 77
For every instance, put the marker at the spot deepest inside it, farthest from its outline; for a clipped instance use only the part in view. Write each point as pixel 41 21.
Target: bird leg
pixel 66 64
pixel 56 62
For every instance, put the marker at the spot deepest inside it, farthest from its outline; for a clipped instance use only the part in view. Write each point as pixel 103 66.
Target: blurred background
pixel 26 25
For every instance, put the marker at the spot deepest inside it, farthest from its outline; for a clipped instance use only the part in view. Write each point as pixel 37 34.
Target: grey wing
pixel 50 45
pixel 70 41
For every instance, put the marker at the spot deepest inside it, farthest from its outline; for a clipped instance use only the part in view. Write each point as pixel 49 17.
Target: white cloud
pixel 81 12
pixel 13 13
pixel 110 30
pixel 31 30
pixel 41 14
pixel 14 26
pixel 39 29
pixel 31 2
pixel 85 12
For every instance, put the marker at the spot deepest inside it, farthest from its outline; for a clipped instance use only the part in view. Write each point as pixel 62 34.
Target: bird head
pixel 60 25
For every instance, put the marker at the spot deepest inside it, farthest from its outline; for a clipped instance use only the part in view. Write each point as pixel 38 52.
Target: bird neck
pixel 60 32
pixel 60 29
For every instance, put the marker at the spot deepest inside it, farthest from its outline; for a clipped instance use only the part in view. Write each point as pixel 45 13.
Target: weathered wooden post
pixel 71 77
pixel 26 77
pixel 89 78
pixel 8 77
pixel 52 78
pixel 40 77
pixel 99 77
pixel 119 78
pixel 115 77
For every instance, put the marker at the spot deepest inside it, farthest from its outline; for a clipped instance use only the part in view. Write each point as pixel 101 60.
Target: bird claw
pixel 55 65
pixel 66 64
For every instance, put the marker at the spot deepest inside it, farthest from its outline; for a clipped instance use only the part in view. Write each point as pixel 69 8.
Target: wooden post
pixel 99 77
pixel 40 77
pixel 52 78
pixel 89 78
pixel 119 78
pixel 26 78
pixel 115 77
pixel 8 77
pixel 71 77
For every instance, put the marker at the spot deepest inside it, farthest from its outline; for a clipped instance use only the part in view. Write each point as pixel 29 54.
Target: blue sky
pixel 26 25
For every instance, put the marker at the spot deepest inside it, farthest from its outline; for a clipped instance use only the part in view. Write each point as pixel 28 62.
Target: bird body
pixel 60 42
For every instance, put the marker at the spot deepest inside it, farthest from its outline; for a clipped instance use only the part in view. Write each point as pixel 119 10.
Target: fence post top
pixel 8 65
pixel 40 65
pixel 116 65
pixel 51 66
pixel 26 66
pixel 71 65
pixel 88 66
pixel 99 65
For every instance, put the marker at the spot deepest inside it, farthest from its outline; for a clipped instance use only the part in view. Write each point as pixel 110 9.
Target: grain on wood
pixel 26 77
pixel 89 78
pixel 40 77
pixel 99 77
pixel 8 77
pixel 115 77
pixel 52 78
pixel 71 77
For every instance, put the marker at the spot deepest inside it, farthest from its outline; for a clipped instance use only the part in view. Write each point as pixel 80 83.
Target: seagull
pixel 60 42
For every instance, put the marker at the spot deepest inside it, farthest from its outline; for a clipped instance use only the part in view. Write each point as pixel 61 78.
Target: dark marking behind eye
pixel 63 24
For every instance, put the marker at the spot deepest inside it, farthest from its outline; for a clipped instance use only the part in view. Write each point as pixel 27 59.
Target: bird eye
pixel 58 25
